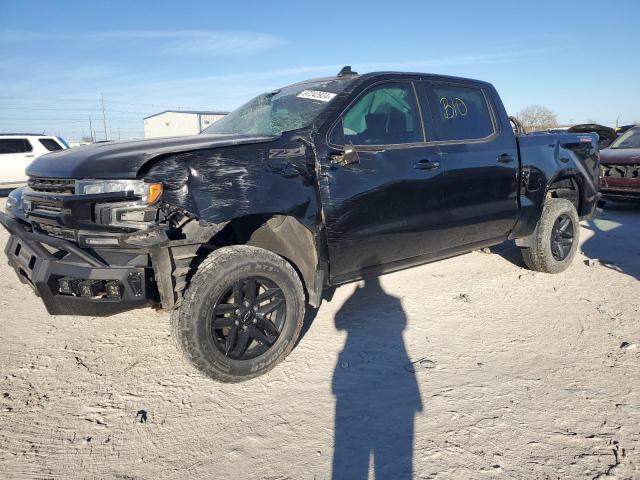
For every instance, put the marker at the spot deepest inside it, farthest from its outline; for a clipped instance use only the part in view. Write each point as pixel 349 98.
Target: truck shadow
pixel 510 252
pixel 614 241
pixel 615 238
pixel 375 386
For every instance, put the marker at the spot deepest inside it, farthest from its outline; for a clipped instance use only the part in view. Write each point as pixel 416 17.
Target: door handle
pixel 505 158
pixel 426 165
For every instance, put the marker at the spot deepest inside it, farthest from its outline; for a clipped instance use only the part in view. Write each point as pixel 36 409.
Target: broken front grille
pixel 621 171
pixel 59 232
pixel 47 207
pixel 63 186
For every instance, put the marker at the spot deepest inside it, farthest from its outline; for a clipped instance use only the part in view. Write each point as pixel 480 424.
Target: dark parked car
pixel 606 134
pixel 620 178
pixel 622 129
pixel 315 184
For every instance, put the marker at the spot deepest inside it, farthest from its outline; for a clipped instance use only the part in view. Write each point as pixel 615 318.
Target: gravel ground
pixel 467 368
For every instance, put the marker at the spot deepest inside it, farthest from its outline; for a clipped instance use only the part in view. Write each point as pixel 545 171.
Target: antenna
pixel 346 70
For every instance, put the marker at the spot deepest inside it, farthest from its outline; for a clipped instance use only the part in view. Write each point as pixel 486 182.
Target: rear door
pixel 385 207
pixel 480 159
pixel 15 155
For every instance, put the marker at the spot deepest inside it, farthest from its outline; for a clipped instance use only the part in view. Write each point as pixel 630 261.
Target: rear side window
pixel 50 144
pixel 459 113
pixel 14 145
pixel 386 114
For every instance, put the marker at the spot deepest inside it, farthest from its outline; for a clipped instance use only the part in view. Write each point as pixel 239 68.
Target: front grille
pixel 59 232
pixel 621 171
pixel 46 207
pixel 62 186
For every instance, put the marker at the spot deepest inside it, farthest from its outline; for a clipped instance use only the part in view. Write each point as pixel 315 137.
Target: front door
pixel 384 207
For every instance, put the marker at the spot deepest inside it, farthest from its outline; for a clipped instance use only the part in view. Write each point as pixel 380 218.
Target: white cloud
pixel 176 42
pixel 199 42
pixel 62 86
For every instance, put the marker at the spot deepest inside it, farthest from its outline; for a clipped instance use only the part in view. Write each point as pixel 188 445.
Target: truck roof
pixel 430 76
pixel 350 76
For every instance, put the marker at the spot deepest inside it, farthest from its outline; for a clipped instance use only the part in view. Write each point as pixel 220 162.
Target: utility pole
pixel 104 118
pixel 91 131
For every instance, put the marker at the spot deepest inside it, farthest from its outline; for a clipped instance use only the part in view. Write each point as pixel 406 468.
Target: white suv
pixel 17 150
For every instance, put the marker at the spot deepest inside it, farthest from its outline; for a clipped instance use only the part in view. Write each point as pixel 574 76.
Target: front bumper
pixel 620 188
pixel 41 261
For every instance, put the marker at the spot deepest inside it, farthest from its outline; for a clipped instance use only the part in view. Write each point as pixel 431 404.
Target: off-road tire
pixel 191 320
pixel 539 256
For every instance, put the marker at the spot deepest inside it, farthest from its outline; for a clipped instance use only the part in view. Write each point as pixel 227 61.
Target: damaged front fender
pixel 263 195
pixel 218 185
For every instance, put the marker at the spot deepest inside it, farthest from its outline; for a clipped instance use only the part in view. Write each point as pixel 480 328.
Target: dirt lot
pixel 468 368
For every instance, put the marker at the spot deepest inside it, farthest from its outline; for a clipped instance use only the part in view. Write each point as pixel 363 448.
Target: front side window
pixel 386 114
pixel 629 139
pixel 459 113
pixel 14 145
pixel 50 144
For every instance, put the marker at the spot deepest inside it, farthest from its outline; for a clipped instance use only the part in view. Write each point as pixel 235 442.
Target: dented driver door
pixel 382 204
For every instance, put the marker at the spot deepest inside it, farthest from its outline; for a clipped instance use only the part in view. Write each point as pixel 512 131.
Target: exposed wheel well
pixel 567 188
pixel 283 235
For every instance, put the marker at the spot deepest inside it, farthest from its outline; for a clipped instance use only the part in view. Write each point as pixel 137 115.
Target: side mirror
pixel 349 157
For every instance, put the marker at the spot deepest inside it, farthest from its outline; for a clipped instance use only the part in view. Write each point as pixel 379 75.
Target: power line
pixel 80 120
pixel 104 119
pixel 71 99
pixel 76 110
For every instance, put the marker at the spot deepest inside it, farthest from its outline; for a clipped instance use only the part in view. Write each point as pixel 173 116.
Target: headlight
pixel 149 192
pixel 14 200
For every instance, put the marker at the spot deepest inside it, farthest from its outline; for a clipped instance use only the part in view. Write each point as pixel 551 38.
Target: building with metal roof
pixel 171 123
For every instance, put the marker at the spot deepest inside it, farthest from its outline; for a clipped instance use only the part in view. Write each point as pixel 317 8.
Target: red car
pixel 620 163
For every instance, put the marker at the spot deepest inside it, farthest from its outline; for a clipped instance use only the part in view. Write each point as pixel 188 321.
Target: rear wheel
pixel 555 240
pixel 241 314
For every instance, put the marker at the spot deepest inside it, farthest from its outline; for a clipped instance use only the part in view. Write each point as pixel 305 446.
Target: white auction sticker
pixel 317 95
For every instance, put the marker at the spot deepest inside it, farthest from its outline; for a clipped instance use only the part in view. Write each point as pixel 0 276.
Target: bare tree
pixel 537 117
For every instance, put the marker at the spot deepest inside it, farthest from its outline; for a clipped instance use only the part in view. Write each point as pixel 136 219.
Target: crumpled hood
pixel 112 160
pixel 620 156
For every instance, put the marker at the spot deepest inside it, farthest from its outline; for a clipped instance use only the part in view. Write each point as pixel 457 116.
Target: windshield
pixel 629 139
pixel 288 108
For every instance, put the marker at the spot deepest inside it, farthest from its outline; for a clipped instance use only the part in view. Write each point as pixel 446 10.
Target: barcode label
pixel 317 95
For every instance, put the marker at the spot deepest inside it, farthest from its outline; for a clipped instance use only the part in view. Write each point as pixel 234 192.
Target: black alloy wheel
pixel 248 318
pixel 562 237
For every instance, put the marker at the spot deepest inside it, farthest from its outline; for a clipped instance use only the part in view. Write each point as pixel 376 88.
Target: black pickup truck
pixel 236 230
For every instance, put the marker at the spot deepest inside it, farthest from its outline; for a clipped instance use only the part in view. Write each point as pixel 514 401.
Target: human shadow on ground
pixel 615 242
pixel 375 386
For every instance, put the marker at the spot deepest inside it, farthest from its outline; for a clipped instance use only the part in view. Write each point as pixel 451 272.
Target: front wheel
pixel 241 314
pixel 555 240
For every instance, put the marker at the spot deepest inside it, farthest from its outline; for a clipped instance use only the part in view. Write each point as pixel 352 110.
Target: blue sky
pixel 57 58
